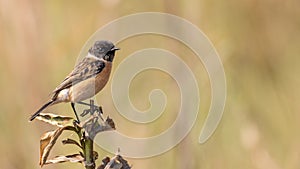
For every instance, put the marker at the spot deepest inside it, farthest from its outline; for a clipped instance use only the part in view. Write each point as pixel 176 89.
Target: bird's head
pixel 103 49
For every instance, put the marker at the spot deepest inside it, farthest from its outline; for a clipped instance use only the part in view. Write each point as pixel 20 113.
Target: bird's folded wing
pixel 85 69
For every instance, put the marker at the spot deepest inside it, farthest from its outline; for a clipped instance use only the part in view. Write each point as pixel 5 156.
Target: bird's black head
pixel 103 49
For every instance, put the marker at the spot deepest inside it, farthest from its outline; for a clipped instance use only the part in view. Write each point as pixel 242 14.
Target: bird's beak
pixel 114 48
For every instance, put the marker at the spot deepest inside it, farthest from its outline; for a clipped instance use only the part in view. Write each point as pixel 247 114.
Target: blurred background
pixel 259 45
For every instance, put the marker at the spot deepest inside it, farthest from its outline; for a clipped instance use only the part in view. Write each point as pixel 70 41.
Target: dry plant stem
pixel 88 139
pixel 88 153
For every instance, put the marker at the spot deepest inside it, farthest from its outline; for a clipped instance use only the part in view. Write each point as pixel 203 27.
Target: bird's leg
pixel 83 103
pixel 73 107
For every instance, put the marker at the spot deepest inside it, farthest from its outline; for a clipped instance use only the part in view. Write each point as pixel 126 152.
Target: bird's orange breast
pixel 89 87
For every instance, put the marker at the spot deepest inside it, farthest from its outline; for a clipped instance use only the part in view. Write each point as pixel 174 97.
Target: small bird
pixel 87 78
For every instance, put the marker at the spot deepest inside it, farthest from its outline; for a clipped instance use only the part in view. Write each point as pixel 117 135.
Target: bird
pixel 88 77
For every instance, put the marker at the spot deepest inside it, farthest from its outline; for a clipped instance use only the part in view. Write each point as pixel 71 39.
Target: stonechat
pixel 88 77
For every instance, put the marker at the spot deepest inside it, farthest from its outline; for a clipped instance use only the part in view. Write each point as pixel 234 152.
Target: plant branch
pixel 86 132
pixel 88 153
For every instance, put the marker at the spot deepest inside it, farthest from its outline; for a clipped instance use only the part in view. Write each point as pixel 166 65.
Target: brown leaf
pixel 53 119
pixel 113 164
pixel 124 163
pixel 111 123
pixel 71 141
pixel 116 162
pixel 48 140
pixel 74 158
pixel 95 124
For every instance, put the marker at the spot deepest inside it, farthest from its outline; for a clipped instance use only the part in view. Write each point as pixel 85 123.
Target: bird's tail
pixel 40 110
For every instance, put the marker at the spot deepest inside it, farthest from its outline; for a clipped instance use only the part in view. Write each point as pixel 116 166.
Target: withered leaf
pixel 47 142
pixel 113 164
pixel 53 119
pixel 110 122
pixel 74 158
pixel 116 162
pixel 95 124
pixel 124 163
pixel 71 141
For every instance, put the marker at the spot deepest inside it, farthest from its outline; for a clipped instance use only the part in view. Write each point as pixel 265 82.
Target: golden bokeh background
pixel 259 45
